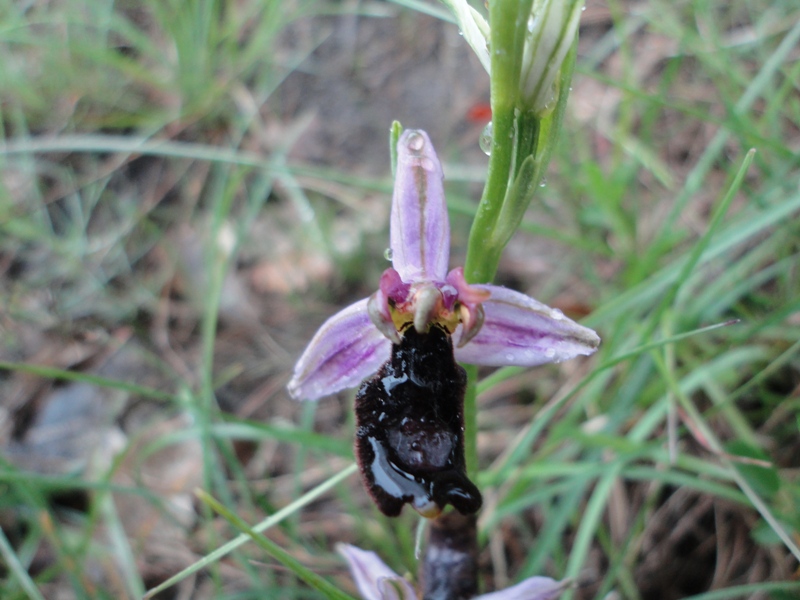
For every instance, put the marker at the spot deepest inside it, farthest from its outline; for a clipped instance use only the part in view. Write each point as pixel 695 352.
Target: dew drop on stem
pixel 485 141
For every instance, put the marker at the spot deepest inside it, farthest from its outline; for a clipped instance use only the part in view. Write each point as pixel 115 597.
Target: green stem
pixel 483 254
pixel 471 422
pixel 508 20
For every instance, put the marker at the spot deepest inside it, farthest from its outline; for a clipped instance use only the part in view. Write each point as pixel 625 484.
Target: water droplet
pixel 460 32
pixel 485 141
pixel 509 357
pixel 543 183
pixel 416 142
pixel 387 254
pixel 557 314
pixel 583 8
pixel 550 352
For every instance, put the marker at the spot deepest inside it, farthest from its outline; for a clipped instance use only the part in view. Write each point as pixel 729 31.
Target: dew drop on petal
pixel 509 357
pixel 550 352
pixel 556 314
pixel 485 141
pixel 387 254
pixel 415 142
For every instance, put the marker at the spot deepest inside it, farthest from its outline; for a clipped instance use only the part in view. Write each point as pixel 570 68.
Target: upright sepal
pixel 419 228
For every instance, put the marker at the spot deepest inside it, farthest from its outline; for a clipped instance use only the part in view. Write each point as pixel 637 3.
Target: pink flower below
pixel 376 581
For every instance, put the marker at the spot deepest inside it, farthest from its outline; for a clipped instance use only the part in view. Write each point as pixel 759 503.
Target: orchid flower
pixel 490 325
pixel 376 581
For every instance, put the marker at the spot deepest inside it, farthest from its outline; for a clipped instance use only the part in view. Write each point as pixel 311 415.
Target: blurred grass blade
pixel 750 590
pixel 64 375
pixel 278 553
pixel 715 445
pixel 121 547
pixel 13 564
pixel 270 521
pixel 757 86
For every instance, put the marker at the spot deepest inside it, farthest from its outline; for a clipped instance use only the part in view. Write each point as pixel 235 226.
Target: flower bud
pixel 552 28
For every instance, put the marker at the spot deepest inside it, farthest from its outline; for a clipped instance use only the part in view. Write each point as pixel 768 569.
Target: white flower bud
pixel 552 27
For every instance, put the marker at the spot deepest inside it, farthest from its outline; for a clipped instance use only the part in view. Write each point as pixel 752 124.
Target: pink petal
pixel 535 588
pixel 420 229
pixel 345 350
pixel 471 297
pixel 374 579
pixel 518 330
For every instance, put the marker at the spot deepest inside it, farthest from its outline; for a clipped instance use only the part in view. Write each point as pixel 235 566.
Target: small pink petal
pixel 472 319
pixel 381 316
pixel 535 588
pixel 345 350
pixel 470 297
pixel 521 331
pixel 392 286
pixel 374 579
pixel 419 229
pixel 467 294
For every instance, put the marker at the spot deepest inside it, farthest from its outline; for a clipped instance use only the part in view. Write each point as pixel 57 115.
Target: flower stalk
pixel 525 131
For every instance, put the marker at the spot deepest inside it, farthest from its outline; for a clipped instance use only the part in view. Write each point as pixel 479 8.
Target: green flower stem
pixel 522 144
pixel 471 422
pixel 508 19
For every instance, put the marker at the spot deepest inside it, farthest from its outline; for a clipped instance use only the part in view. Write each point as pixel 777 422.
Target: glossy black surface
pixel 449 569
pixel 410 429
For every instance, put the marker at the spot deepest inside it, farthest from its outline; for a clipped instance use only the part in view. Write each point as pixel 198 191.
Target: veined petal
pixel 419 229
pixel 518 330
pixel 374 579
pixel 345 350
pixel 534 588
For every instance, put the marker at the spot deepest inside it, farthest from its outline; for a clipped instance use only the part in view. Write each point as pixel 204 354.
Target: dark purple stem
pixel 449 569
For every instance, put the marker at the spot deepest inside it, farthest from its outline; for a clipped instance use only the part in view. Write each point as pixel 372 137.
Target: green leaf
pixel 764 480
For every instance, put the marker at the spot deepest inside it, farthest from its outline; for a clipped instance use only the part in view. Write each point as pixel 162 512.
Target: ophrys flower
pixel 410 413
pixel 491 325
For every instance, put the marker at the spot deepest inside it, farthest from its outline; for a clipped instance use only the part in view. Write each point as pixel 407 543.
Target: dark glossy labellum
pixel 410 429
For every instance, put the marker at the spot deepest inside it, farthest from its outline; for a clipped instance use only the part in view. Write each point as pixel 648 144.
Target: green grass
pixel 125 122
